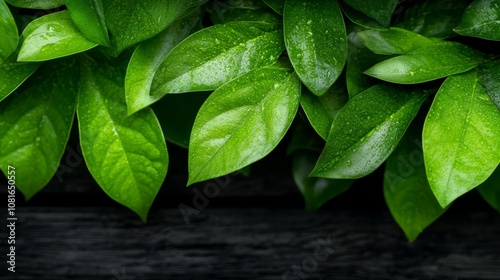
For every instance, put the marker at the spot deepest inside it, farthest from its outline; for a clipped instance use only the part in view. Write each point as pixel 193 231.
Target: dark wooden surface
pixel 103 243
pixel 254 229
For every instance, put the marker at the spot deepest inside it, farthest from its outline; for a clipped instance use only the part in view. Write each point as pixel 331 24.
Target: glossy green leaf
pixel 315 38
pixel 13 74
pixel 461 137
pixel 147 58
pixel 359 58
pixel 8 29
pixel 126 155
pixel 304 138
pixel 132 21
pixel 242 121
pixel 359 18
pixel 176 113
pixel 490 189
pixel 52 36
pixel 427 64
pixel 489 74
pixel 406 189
pixel 276 5
pixel 215 55
pixel 393 41
pixel 35 123
pixel 242 10
pixel 432 18
pixel 321 110
pixel 316 191
pixel 88 16
pixel 481 19
pixel 380 10
pixel 36 4
pixel 366 131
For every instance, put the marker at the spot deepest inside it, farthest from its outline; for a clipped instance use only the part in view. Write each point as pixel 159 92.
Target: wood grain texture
pixel 102 243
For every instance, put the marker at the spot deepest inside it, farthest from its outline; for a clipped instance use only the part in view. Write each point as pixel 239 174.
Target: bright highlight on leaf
pixel 39 118
pixel 366 131
pixel 316 42
pixel 126 155
pixel 461 137
pixel 427 64
pixel 242 121
pixel 215 55
pixel 52 36
pixel 481 19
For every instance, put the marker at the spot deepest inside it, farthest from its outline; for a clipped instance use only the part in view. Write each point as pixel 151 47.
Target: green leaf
pixel 176 113
pixel 8 29
pixel 35 123
pixel 321 110
pixel 88 16
pixel 489 74
pixel 242 121
pixel 126 155
pixel 316 191
pixel 304 138
pixel 481 19
pixel 393 41
pixel 52 36
pixel 242 10
pixel 147 58
pixel 132 21
pixel 490 189
pixel 276 5
pixel 380 10
pixel 215 55
pixel 406 189
pixel 315 38
pixel 432 18
pixel 427 64
pixel 359 18
pixel 366 131
pixel 36 4
pixel 359 58
pixel 461 137
pixel 14 74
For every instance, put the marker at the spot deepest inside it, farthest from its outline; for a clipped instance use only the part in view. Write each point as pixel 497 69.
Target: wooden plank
pixel 103 243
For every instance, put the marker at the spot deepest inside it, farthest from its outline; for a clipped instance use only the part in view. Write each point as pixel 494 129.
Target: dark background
pixel 255 228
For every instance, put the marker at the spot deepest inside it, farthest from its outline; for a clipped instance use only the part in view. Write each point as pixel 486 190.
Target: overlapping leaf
pixel 8 29
pixel 481 19
pixel 126 155
pixel 132 21
pixel 490 189
pixel 243 121
pixel 393 41
pixel 36 4
pixel 13 74
pixel 489 74
pixel 461 137
pixel 35 123
pixel 406 189
pixel 366 131
pixel 380 10
pixel 427 64
pixel 88 16
pixel 315 38
pixel 215 55
pixel 52 36
pixel 147 58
